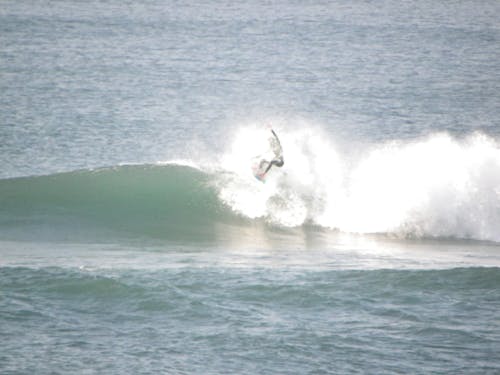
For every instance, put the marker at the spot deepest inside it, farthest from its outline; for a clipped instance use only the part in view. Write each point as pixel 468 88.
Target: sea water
pixel 134 238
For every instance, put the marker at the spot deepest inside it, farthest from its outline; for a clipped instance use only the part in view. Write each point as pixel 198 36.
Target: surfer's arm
pixel 276 137
pixel 276 146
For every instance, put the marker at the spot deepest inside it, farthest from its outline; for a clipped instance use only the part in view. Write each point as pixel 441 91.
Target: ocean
pixel 134 238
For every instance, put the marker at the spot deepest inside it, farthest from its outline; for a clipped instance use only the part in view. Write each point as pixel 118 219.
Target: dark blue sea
pixel 134 238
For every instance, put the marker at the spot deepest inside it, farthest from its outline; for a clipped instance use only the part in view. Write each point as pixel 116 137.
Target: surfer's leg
pixel 268 168
pixel 273 162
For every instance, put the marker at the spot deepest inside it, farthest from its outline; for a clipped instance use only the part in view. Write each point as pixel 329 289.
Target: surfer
pixel 278 156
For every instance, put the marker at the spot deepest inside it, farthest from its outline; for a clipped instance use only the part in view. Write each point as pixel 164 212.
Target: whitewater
pixel 432 187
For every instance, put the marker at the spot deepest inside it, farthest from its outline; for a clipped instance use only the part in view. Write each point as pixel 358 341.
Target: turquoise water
pixel 134 238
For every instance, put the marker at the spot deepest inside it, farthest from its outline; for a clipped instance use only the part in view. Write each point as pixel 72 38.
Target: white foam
pixel 433 187
pixel 180 162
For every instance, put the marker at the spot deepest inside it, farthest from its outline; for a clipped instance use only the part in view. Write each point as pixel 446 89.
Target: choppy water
pixel 231 320
pixel 134 239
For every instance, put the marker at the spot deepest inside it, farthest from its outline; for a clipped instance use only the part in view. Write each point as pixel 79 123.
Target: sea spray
pixel 291 195
pixel 437 186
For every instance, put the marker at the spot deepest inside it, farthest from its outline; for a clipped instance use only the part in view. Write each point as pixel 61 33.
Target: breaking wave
pixel 435 187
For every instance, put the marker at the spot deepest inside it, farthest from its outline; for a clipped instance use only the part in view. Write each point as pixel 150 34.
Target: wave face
pixel 170 201
pixel 438 187
pixel 434 187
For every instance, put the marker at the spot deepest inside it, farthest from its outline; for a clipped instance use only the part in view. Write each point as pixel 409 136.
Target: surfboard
pixel 258 168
